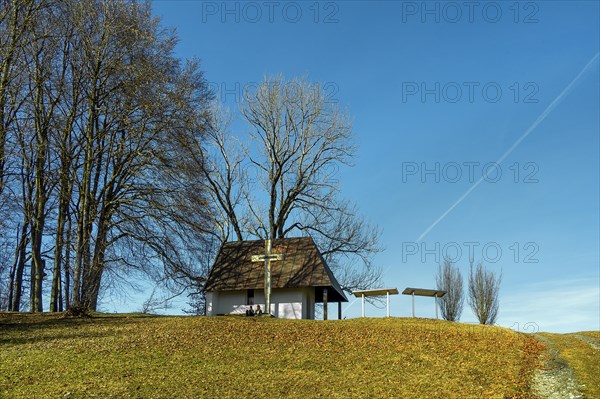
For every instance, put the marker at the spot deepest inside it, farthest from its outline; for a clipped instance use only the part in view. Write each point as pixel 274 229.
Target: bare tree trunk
pixel 56 302
pixel 82 255
pixel 42 120
pixel 25 238
pixel 11 275
pixel 55 294
pixel 38 264
pixel 67 290
pixel 93 276
pixel 18 287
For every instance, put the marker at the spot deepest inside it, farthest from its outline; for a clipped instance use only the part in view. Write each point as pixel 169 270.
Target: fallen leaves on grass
pixel 194 357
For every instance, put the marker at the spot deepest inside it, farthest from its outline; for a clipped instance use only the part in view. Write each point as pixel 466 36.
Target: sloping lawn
pixel 130 356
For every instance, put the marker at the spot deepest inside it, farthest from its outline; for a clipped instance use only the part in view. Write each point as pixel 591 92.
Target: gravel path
pixel 556 380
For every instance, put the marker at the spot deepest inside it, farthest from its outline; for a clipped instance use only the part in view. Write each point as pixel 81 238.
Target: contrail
pixel 527 132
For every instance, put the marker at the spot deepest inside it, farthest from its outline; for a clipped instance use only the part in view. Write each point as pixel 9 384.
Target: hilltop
pixel 235 357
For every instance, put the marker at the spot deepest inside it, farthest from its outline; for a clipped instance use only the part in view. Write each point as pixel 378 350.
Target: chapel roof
pixel 302 266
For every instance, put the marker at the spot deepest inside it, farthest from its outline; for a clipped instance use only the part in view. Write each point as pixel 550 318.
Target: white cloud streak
pixel 527 132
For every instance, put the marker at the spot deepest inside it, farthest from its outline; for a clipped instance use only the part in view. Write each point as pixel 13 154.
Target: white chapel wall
pixel 286 303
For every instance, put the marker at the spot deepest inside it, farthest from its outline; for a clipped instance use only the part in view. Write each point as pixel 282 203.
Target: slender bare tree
pixel 484 289
pixel 449 279
pixel 17 18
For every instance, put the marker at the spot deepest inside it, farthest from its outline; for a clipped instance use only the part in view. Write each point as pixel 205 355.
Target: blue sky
pixel 438 93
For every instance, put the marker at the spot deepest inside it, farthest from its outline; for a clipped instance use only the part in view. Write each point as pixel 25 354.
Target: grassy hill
pixel 134 356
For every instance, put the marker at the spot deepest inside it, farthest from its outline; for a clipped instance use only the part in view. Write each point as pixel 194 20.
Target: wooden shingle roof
pixel 303 266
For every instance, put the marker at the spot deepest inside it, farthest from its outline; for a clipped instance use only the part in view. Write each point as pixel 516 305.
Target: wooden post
pixel 267 277
pixel 363 305
pixel 388 303
pixel 340 310
pixel 324 303
pixel 267 258
pixel 436 307
pixel 413 303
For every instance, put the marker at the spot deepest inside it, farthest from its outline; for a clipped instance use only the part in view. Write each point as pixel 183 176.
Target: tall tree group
pixel 90 97
pixel 115 161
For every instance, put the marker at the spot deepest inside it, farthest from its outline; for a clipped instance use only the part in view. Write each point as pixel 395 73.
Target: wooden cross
pixel 267 258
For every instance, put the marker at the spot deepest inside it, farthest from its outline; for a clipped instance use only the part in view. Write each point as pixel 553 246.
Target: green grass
pixel 130 356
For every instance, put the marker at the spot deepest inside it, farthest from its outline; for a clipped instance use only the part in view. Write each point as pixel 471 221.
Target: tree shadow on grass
pixel 25 328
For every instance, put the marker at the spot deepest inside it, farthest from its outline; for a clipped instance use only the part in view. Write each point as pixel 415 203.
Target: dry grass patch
pixel 195 357
pixel 582 358
pixel 593 334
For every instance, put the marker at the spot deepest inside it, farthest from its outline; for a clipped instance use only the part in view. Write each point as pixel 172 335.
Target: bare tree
pixel 484 289
pixel 450 280
pixel 284 181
